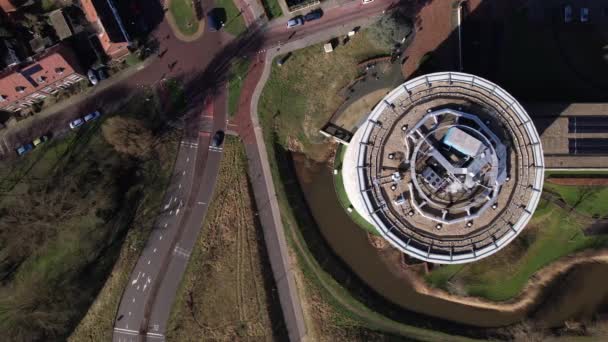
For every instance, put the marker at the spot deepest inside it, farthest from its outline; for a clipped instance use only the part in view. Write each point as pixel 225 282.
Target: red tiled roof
pixel 112 49
pixel 53 65
pixel 7 6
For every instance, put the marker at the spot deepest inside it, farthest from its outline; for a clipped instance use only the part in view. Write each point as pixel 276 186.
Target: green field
pixel 238 72
pixel 589 200
pixel 68 207
pixel 184 15
pixel 343 197
pixel 234 24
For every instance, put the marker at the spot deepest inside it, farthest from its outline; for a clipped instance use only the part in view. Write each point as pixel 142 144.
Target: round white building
pixel 448 168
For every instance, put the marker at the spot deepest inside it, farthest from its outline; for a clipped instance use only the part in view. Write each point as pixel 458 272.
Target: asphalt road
pixel 148 299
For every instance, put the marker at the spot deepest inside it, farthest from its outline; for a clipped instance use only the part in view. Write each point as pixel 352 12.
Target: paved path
pixel 259 168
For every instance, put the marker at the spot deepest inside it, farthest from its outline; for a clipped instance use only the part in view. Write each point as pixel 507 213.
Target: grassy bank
pixel 228 292
pixel 589 200
pixel 351 311
pixel 234 24
pixel 184 15
pixel 551 234
pixel 69 208
pixel 343 197
pixel 318 76
pixel 272 8
pixel 238 72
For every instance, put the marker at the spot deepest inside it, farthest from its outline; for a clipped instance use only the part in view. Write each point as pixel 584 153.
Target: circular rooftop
pixel 448 167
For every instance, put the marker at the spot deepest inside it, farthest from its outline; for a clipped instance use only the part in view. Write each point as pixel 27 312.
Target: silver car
pixel 297 21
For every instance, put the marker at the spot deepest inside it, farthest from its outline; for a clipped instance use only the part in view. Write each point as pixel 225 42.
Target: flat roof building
pixel 448 168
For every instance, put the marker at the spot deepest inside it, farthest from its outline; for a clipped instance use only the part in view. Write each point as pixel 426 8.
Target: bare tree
pixel 128 136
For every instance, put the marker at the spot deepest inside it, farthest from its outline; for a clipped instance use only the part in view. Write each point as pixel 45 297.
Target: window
pixel 20 89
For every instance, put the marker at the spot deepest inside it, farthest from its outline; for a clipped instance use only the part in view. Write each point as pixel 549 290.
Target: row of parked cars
pixel 74 124
pixel 583 14
pixel 300 20
pixel 81 121
pixel 25 148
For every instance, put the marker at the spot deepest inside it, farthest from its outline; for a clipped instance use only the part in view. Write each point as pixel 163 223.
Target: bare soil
pixel 579 181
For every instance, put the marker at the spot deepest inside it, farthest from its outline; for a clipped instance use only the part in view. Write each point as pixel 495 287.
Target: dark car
pixel 314 15
pixel 215 19
pixel 23 149
pixel 218 139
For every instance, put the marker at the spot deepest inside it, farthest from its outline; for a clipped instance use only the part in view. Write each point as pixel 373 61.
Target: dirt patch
pixel 579 181
pixel 530 296
pixel 351 116
pixel 228 292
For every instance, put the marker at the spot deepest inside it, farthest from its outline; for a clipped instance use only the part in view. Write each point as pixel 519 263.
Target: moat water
pixel 578 294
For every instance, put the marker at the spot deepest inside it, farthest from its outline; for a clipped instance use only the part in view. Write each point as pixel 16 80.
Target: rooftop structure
pixel 448 168
pixel 102 14
pixel 60 24
pixel 22 86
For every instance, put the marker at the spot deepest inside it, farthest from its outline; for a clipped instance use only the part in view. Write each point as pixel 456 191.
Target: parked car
pixel 214 19
pixel 314 15
pixel 297 21
pixel 567 13
pixel 102 74
pixel 92 116
pixel 23 149
pixel 40 140
pixel 584 14
pixel 92 77
pixel 218 139
pixel 76 123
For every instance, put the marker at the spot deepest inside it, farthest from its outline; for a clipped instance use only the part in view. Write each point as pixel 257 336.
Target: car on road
pixel 218 139
pixel 584 14
pixel 40 140
pixel 92 77
pixel 367 1
pixel 92 116
pixel 293 22
pixel 314 15
pixel 76 123
pixel 567 13
pixel 23 149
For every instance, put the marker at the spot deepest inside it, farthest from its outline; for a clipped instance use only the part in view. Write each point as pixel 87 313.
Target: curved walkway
pixel 177 33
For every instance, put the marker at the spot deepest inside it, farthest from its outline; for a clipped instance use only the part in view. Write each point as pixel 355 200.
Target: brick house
pixel 22 86
pixel 7 6
pixel 110 31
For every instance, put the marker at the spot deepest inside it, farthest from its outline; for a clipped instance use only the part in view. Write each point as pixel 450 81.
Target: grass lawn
pixel 319 76
pixel 343 197
pixel 590 200
pixel 272 8
pixel 235 24
pixel 550 235
pixel 228 292
pixel 238 72
pixel 184 15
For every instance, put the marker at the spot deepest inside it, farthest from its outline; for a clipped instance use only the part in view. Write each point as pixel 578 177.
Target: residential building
pixel 24 85
pixel 7 6
pixel 110 31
